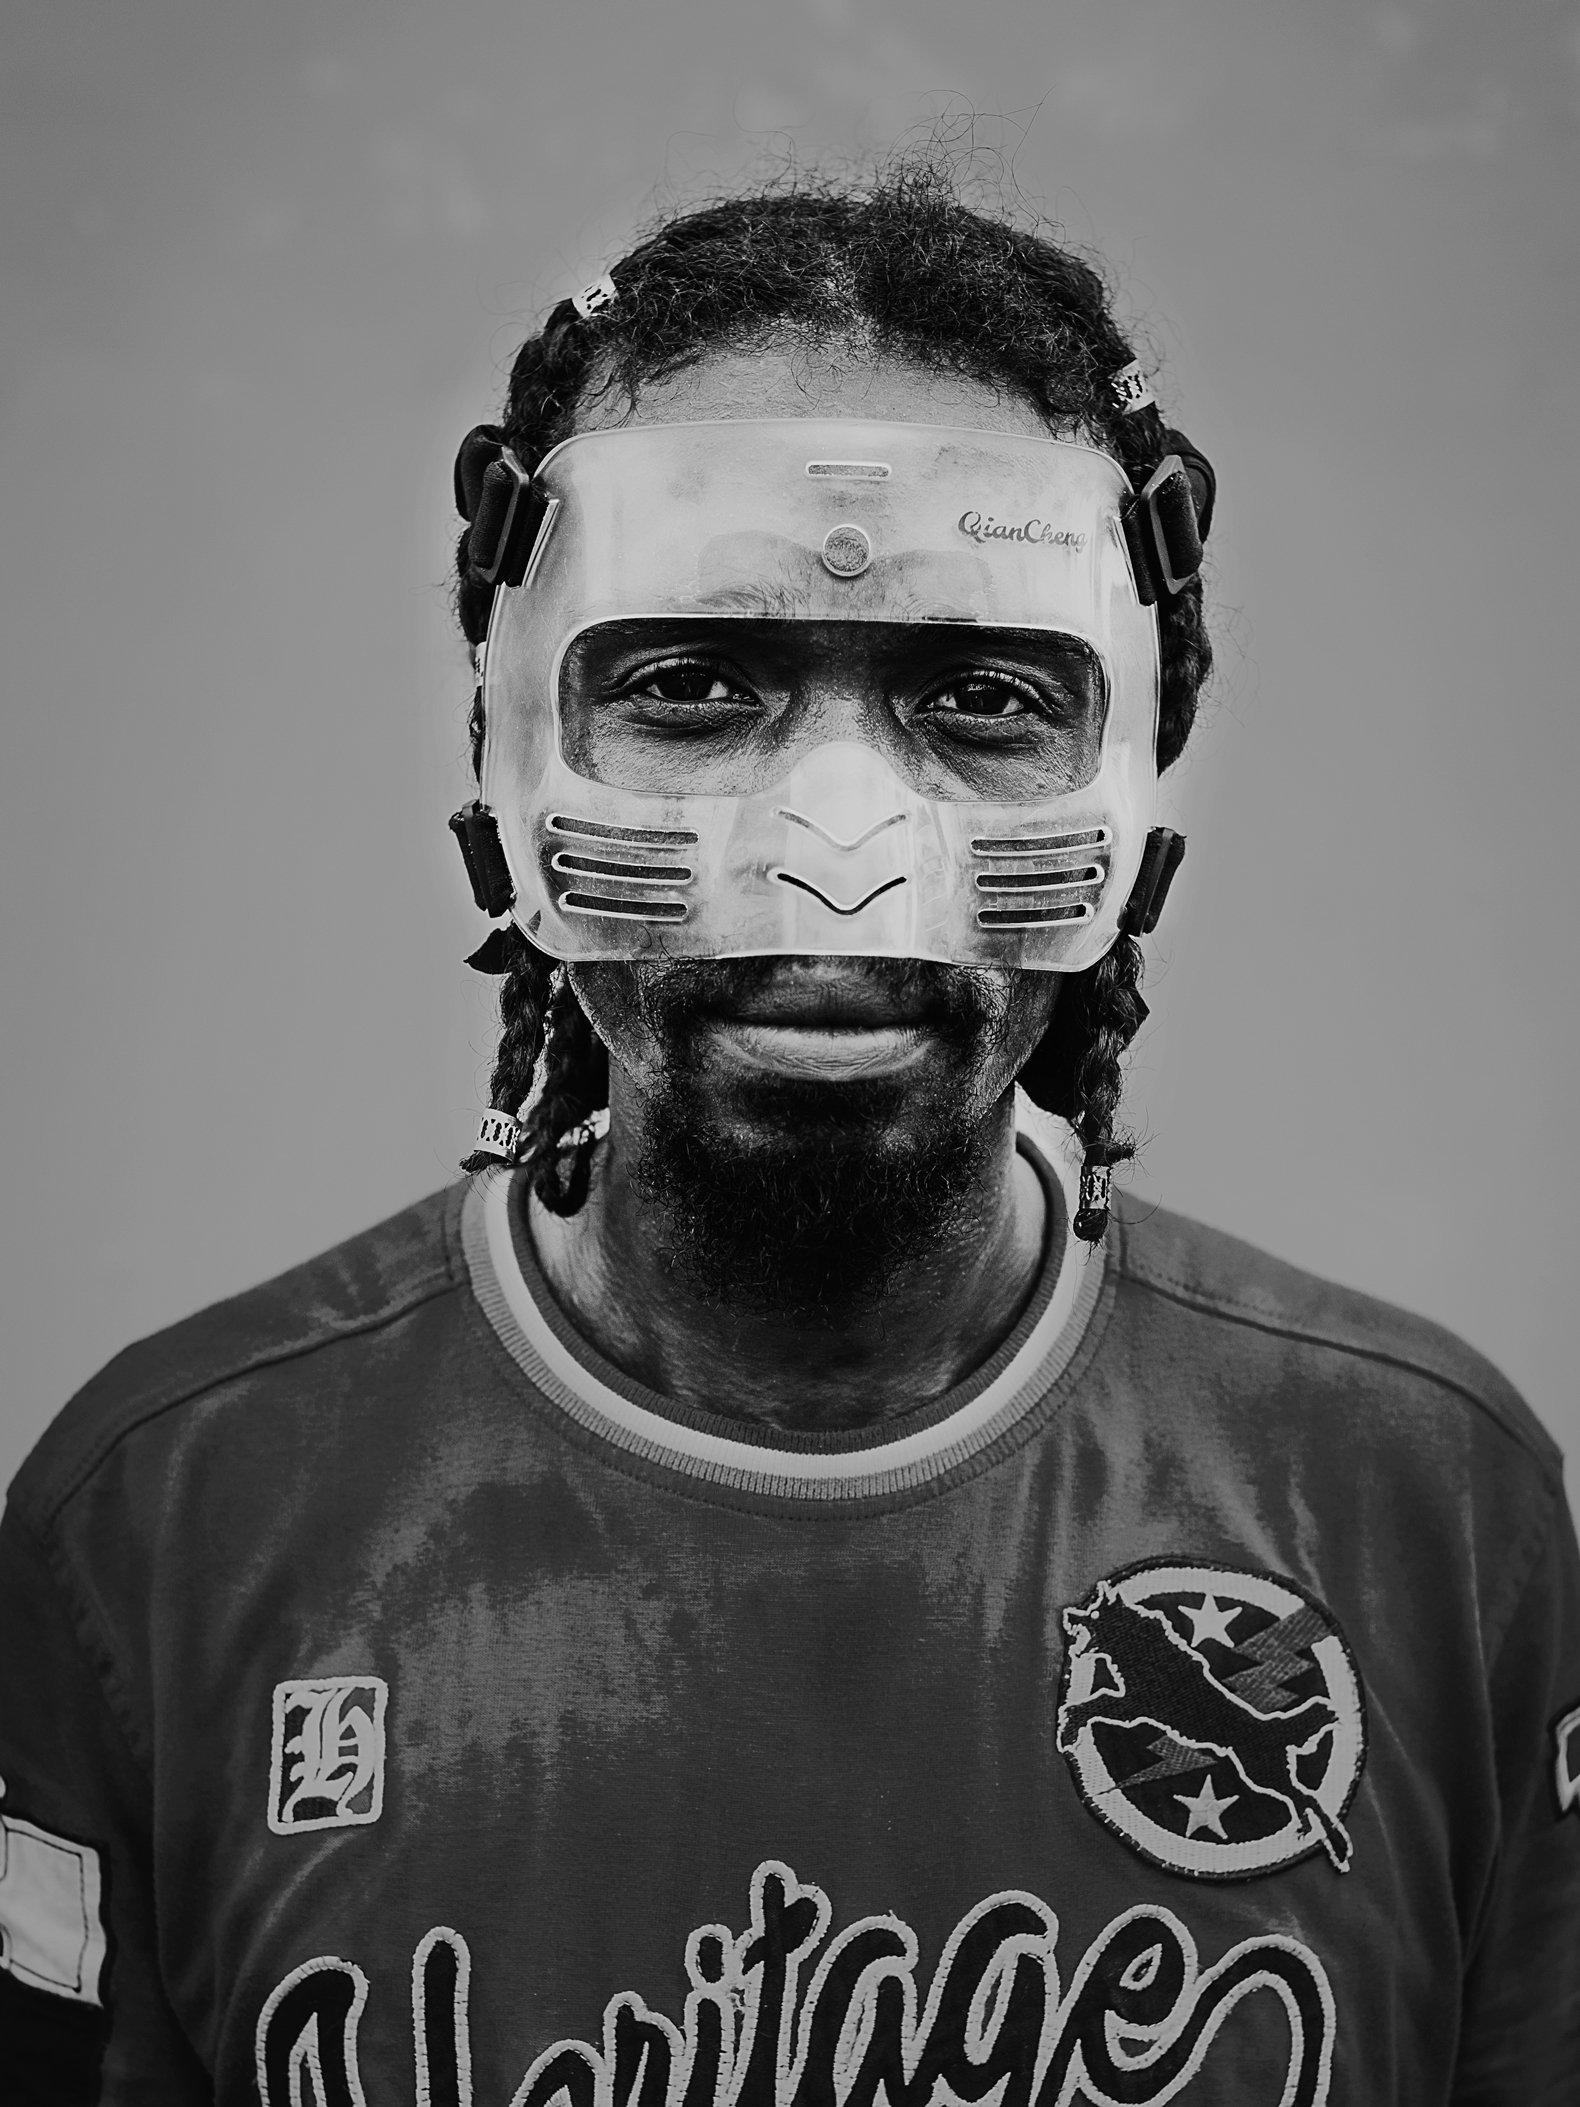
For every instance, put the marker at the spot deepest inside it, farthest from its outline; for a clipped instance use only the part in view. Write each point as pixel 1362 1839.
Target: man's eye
pixel 983 695
pixel 684 680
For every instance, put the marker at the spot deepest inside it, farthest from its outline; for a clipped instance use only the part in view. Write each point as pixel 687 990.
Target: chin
pixel 879 1113
pixel 806 1198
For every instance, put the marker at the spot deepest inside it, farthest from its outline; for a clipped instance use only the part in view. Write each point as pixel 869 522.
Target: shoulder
pixel 355 1291
pixel 1261 1308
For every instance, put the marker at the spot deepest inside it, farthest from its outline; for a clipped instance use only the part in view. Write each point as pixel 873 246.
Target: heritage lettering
pixel 776 2017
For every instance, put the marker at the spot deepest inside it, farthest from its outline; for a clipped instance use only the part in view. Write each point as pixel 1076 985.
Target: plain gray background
pixel 262 265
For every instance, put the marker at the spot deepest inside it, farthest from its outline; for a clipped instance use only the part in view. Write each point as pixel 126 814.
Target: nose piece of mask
pixel 849 831
pixel 735 522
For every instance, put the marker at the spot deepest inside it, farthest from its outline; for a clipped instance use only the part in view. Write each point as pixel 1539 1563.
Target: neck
pixel 945 1309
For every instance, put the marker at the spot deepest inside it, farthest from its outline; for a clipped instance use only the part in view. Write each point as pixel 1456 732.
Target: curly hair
pixel 908 268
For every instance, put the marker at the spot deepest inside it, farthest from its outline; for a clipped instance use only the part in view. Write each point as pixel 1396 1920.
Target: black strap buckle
pixel 506 508
pixel 1162 532
pixel 483 853
pixel 1160 859
pixel 1166 522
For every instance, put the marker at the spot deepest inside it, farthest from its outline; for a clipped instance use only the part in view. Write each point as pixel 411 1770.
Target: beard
pixel 809 1197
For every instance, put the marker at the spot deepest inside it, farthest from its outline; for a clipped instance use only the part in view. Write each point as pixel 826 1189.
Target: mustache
pixel 956 1000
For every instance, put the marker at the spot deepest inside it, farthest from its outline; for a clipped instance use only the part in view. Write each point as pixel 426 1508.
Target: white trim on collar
pixel 761 1466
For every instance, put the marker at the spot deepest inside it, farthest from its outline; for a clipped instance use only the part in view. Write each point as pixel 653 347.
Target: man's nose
pixel 848 707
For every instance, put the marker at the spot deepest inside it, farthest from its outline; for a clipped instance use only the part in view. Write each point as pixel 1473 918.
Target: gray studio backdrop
pixel 262 266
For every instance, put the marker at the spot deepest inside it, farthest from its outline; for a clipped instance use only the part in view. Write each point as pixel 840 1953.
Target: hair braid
pixel 1114 1013
pixel 908 269
pixel 1077 1072
pixel 575 1085
pixel 523 1009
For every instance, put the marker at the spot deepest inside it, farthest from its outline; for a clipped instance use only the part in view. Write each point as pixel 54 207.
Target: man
pixel 766 1594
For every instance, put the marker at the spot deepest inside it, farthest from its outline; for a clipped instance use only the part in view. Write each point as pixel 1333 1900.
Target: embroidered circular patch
pixel 846 551
pixel 1212 1717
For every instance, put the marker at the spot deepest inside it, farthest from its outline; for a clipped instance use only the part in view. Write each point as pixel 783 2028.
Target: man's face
pixel 805 1124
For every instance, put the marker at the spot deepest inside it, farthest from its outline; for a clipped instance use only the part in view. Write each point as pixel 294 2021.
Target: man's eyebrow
pixel 969 637
pixel 766 600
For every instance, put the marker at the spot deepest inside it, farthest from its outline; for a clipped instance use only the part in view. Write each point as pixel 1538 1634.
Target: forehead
pixel 802 377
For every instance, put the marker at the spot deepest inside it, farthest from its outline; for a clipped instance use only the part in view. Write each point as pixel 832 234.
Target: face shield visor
pixel 868 689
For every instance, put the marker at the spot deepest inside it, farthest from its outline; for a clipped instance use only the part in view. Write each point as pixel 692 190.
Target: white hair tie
pixel 594 298
pixel 1132 389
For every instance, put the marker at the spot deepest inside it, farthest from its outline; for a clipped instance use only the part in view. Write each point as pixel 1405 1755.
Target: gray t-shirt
pixel 399 1704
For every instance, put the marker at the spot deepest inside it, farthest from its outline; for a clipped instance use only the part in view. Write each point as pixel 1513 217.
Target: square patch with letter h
pixel 326 1763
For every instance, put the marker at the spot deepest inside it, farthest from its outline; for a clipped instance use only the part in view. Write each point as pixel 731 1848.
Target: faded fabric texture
pixel 1206 1717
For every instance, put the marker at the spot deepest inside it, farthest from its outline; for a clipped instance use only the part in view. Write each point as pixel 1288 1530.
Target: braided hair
pixel 908 268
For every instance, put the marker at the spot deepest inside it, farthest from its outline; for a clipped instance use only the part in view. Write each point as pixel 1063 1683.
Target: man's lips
pixel 829 1023
pixel 820 1052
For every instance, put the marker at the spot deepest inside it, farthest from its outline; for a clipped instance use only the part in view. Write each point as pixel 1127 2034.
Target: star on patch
pixel 1211 1621
pixel 1206 1809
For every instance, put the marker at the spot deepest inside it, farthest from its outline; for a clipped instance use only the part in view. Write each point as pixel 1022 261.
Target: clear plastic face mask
pixel 837 687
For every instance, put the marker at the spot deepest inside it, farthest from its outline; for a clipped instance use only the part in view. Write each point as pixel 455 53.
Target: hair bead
pixel 1132 390
pixel 594 298
pixel 500 1134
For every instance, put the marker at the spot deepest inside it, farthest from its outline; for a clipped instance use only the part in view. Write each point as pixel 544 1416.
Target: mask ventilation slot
pixel 857 841
pixel 602 867
pixel 637 837
pixel 621 909
pixel 834 906
pixel 1033 880
pixel 600 883
pixel 849 471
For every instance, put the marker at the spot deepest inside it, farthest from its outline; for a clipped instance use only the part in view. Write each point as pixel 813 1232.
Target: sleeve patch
pixel 1566 1761
pixel 51 1917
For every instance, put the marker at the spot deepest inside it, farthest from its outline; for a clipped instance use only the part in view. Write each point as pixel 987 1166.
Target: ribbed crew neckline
pixel 909 1451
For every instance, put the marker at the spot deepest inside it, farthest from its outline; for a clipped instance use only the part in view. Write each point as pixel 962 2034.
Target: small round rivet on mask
pixel 846 551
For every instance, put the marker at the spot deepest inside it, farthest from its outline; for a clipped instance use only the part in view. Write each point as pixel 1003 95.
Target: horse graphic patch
pixel 1213 1718
pixel 326 1768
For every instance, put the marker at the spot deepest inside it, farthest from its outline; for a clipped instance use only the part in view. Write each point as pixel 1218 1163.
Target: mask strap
pixel 506 508
pixel 477 832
